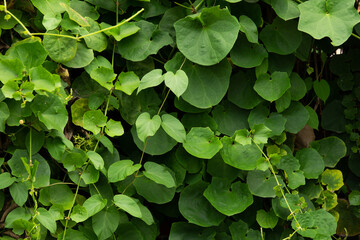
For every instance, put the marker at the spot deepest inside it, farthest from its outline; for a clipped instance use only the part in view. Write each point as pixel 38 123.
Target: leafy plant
pixel 154 119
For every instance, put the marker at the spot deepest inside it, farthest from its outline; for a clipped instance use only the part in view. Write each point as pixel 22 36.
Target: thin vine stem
pixel 356 36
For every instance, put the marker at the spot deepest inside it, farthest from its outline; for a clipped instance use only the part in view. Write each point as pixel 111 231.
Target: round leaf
pixel 311 162
pixel 332 149
pixel 154 192
pixel 333 178
pixel 94 120
pixel 297 117
pixel 272 87
pixel 262 184
pixel 266 219
pixel 119 170
pixel 60 49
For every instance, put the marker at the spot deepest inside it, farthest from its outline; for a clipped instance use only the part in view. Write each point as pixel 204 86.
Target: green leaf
pixel 332 149
pixel 202 143
pixel 60 49
pixel 173 127
pixel 79 214
pixel 4 114
pixel 52 6
pixel 94 204
pixel 313 121
pixel 19 193
pixel 154 192
pixel 248 27
pixel 266 219
pixel 228 202
pixel 97 41
pixel 46 219
pixel 333 178
pixel 148 40
pixel 207 37
pixel 78 109
pixel 125 30
pixel 90 175
pixel 75 16
pixel 127 204
pixel 322 89
pixel 272 87
pixel 114 128
pixel 261 133
pixel 151 79
pixel 73 234
pixel 42 79
pixel 17 214
pixel 82 58
pixel 159 174
pixel 127 82
pixel 298 87
pixel 11 69
pixel 281 37
pixel 297 116
pixel 285 9
pixel 182 230
pixel 50 111
pixel 328 18
pixel 74 159
pixel 104 76
pixel 119 170
pixel 354 198
pixel 105 222
pixel 262 184
pixel 94 120
pixel 57 195
pixel 240 156
pixel 177 82
pixel 196 208
pixel 311 162
pixel 95 159
pixel 6 180
pixel 146 126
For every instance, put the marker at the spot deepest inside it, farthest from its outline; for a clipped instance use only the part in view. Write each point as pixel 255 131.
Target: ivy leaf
pixel 173 127
pixel 333 178
pixel 119 170
pixel 177 82
pixel 248 27
pixel 266 219
pixel 114 128
pixel 46 219
pixel 11 69
pixel 94 120
pixel 328 18
pixel 127 204
pixel 272 87
pixel 127 82
pixel 207 37
pixel 151 79
pixel 159 174
pixel 50 111
pixel 202 143
pixel 147 127
pixel 322 89
pixel 228 202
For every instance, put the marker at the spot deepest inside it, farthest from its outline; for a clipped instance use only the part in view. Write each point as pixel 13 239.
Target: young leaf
pixel 127 204
pixel 46 219
pixel 95 159
pixel 103 76
pixel 151 79
pixel 79 214
pixel 114 128
pixel 261 133
pixel 125 30
pixel 127 82
pixel 159 174
pixel 266 219
pixel 42 79
pixel 173 127
pixel 94 204
pixel 119 170
pixel 146 127
pixel 177 82
pixel 94 120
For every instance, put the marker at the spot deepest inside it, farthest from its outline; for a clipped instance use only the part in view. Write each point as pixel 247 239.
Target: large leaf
pixel 207 37
pixel 202 143
pixel 228 202
pixel 328 18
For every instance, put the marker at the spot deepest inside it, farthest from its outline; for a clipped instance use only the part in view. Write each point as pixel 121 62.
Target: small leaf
pixel 333 178
pixel 272 87
pixel 261 133
pixel 147 127
pixel 104 76
pixel 159 174
pixel 6 180
pixel 173 127
pixel 96 159
pixel 266 219
pixel 243 137
pixel 4 114
pixel 127 204
pixel 127 82
pixel 42 79
pixel 46 219
pixel 11 69
pixel 151 79
pixel 119 170
pixel 79 214
pixel 125 30
pixel 248 27
pixel 114 128
pixel 94 120
pixel 177 82
pixel 354 198
pixel 19 192
pixel 94 204
pixel 322 89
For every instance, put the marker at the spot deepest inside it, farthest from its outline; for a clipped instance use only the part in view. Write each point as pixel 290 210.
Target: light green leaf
pixel 104 76
pixel 53 6
pixel 266 219
pixel 125 30
pixel 159 174
pixel 78 109
pixel 328 18
pixel 50 111
pixel 243 137
pixel 119 170
pixel 6 180
pixel 11 69
pixel 285 9
pixel 4 114
pixel 177 82
pixel 46 219
pixel 79 214
pixel 114 128
pixel 75 16
pixel 94 204
pixel 207 37
pixel 19 193
pixel 90 175
pixel 272 87
pixel 148 40
pixel 146 127
pixel 57 195
pixel 228 202
pixel 173 127
pixel 332 149
pixel 127 82
pixel 94 120
pixel 51 21
pixel 42 79
pixel 127 204
pixel 60 49
pixel 151 79
pixel 97 41
pixel 322 89
pixel 311 162
pixel 333 178
pixel 202 143
pixel 74 158
pixel 82 58
pixel 261 133
pixel 248 27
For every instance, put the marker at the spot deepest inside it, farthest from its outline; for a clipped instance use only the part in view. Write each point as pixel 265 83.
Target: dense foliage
pixel 159 119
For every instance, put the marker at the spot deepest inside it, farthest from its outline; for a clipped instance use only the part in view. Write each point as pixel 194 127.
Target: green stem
pixel 197 6
pixel 55 35
pixel 12 15
pixel 356 36
pixel 183 6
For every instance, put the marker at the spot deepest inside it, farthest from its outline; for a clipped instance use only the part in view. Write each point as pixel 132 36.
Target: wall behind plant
pixel 176 120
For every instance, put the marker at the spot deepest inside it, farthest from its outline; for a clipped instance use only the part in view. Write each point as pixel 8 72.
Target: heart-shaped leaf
pixel 146 126
pixel 272 87
pixel 173 127
pixel 177 82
